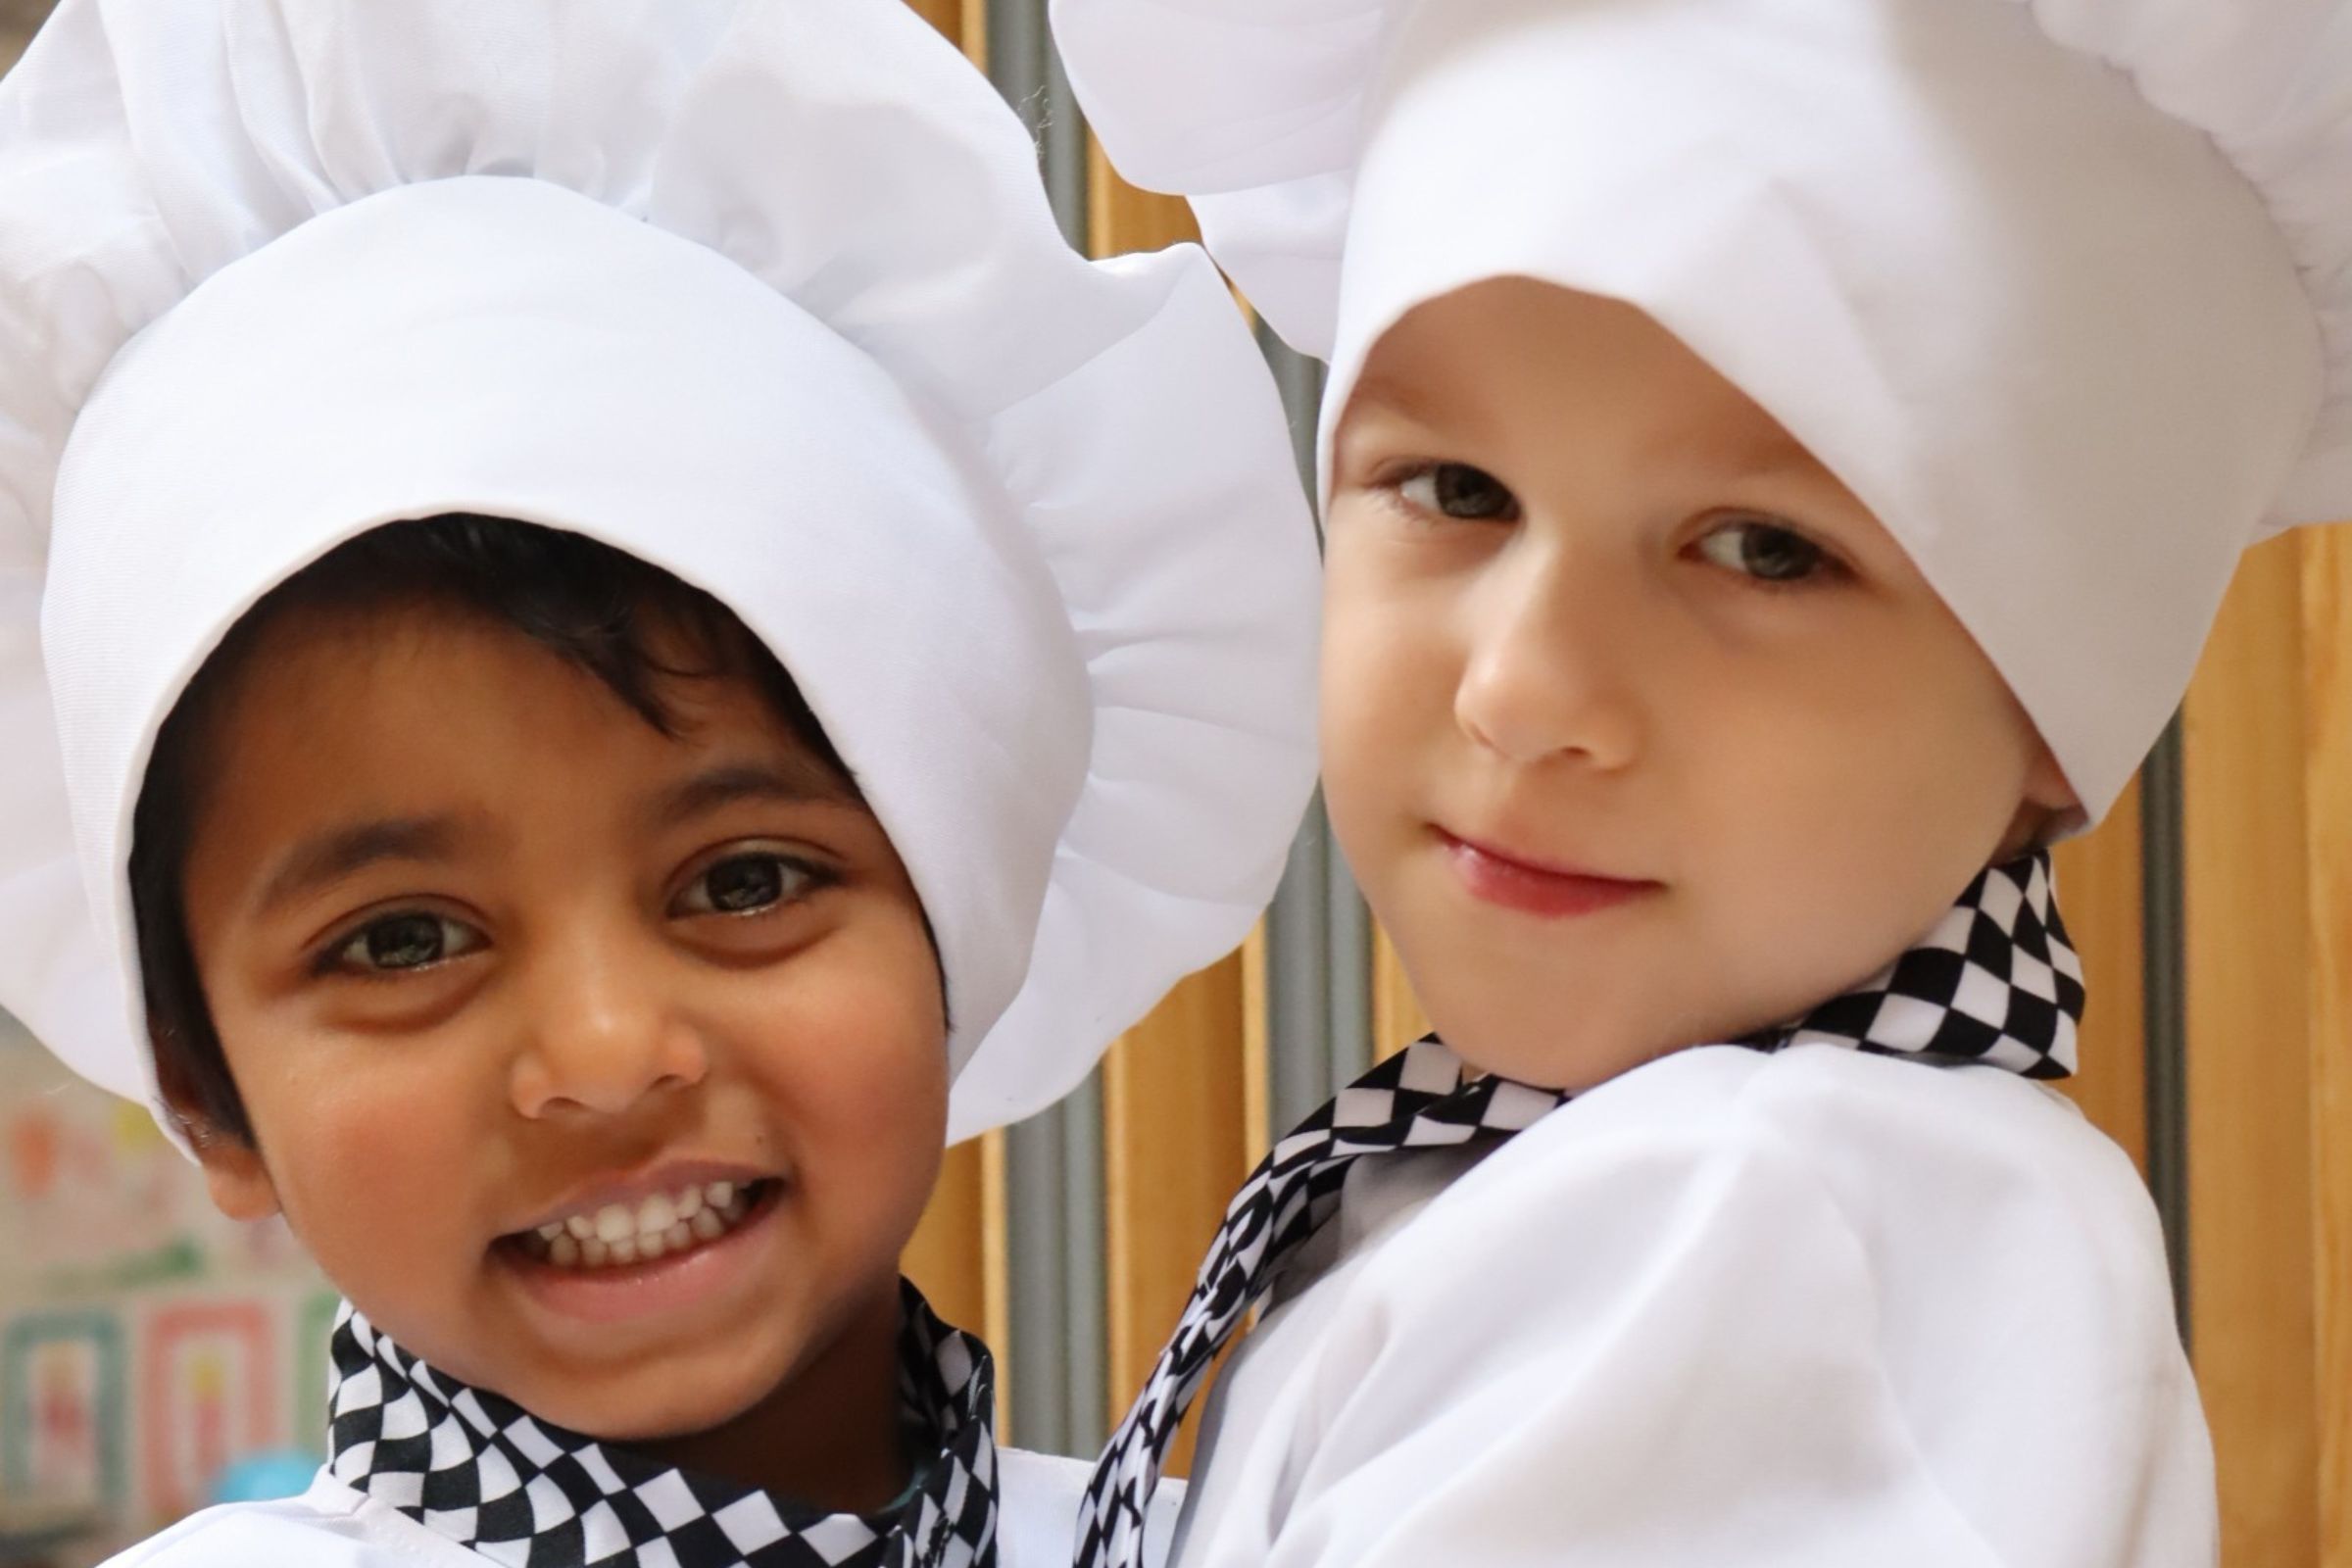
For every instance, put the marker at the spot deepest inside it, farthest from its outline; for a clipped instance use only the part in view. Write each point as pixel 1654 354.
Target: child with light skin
pixel 1614 676
pixel 1780 459
pixel 591 677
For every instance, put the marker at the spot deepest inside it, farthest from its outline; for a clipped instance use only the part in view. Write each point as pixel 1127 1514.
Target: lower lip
pixel 640 1291
pixel 1552 895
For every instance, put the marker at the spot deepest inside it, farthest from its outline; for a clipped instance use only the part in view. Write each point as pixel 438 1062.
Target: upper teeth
pixel 622 1232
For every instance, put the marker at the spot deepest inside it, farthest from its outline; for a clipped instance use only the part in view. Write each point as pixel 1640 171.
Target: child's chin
pixel 1527 1028
pixel 664 1401
pixel 1565 1047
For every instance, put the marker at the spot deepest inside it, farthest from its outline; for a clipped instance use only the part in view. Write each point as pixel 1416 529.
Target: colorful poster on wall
pixel 146 1341
pixel 94 1202
pixel 208 1397
pixel 62 1412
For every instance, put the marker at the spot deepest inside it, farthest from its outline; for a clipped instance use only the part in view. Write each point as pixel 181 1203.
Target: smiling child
pixel 433 988
pixel 608 641
pixel 1782 459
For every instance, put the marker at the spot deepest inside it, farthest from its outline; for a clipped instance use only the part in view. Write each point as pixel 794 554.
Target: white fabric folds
pixel 2061 288
pixel 769 295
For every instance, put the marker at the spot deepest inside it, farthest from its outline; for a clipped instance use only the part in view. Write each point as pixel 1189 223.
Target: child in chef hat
pixel 1781 460
pixel 596 609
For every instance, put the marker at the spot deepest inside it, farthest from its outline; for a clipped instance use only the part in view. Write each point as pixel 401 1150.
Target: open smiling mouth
pixel 664 1226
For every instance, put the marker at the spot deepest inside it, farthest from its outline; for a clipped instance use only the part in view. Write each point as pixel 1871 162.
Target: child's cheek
pixel 388 1163
pixel 848 1048
pixel 880 1104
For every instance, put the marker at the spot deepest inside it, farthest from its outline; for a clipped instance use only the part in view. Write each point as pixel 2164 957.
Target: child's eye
pixel 1458 490
pixel 1766 552
pixel 745 884
pixel 397 942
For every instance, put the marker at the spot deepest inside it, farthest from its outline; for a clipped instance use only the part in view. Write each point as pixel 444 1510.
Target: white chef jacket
pixel 333 1526
pixel 1812 1309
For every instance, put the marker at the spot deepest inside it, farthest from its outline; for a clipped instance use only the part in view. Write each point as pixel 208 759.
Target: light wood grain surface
pixel 949 1255
pixel 2249 1066
pixel 1175 1145
pixel 1397 1016
pixel 964 22
pixel 2327 785
pixel 1122 218
pixel 2099 894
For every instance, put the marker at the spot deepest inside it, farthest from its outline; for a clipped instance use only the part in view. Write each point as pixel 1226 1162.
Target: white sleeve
pixel 1655 1350
pixel 1038 1495
pixel 295 1534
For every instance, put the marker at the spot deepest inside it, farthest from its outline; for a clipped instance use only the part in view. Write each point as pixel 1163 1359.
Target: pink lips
pixel 1553 893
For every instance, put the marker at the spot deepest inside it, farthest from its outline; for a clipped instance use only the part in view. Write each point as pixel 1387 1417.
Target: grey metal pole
pixel 1299 980
pixel 2164 971
pixel 1351 931
pixel 1319 934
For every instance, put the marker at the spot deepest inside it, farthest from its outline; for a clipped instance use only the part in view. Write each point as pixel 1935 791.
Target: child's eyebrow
pixel 328 858
pixel 801 782
pixel 1762 454
pixel 1390 395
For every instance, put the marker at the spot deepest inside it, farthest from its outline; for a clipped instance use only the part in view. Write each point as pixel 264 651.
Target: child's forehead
pixel 434 715
pixel 1518 352
pixel 371 673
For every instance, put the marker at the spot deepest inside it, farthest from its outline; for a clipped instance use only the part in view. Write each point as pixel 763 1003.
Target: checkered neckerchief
pixel 477 1468
pixel 1995 983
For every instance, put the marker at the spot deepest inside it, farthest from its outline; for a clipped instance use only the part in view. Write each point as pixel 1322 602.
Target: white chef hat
pixel 2061 288
pixel 766 295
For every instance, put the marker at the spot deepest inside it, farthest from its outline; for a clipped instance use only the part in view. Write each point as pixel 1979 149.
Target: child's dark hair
pixel 600 608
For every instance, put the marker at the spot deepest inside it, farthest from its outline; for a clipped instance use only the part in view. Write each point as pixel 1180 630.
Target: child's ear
pixel 2046 786
pixel 2049 811
pixel 233 1172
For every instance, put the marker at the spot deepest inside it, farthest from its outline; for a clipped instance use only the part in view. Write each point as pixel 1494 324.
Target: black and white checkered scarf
pixel 1994 984
pixel 481 1470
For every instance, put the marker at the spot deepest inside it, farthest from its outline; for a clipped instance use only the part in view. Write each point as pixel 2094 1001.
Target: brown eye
pixel 1765 551
pixel 398 943
pixel 745 884
pixel 1458 490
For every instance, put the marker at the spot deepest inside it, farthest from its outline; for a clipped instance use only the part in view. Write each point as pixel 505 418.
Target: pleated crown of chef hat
pixel 768 295
pixel 2062 289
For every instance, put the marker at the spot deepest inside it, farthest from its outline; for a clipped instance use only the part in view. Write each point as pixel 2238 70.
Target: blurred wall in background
pixel 146 1344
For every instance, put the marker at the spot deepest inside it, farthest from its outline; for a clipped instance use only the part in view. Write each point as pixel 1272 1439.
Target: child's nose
pixel 1546 670
pixel 601 1038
